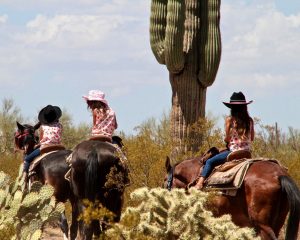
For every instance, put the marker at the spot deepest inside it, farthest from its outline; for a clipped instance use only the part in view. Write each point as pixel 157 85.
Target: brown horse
pixel 51 170
pixel 97 175
pixel 263 201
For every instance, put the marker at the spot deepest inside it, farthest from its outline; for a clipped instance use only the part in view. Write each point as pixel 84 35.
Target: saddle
pixel 51 148
pixel 232 160
pixel 45 150
pixel 101 138
pixel 239 154
pixel 230 175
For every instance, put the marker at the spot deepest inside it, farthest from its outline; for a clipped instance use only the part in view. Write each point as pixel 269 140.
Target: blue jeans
pixel 28 158
pixel 213 162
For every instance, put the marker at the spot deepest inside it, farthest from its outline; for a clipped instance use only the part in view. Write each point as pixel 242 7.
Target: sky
pixel 55 51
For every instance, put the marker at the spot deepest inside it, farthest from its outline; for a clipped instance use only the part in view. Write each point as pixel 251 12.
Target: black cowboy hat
pixel 237 98
pixel 49 114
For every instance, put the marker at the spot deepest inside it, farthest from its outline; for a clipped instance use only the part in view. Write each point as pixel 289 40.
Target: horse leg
pixel 96 229
pixel 260 212
pixel 74 223
pixel 261 203
pixel 85 230
pixel 80 209
pixel 64 225
pixel 88 231
pixel 266 232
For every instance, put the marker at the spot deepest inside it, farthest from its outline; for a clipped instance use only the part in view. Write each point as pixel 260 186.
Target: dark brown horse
pixel 51 170
pixel 263 201
pixel 95 164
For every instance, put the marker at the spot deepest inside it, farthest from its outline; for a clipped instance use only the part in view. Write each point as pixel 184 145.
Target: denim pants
pixel 213 162
pixel 28 158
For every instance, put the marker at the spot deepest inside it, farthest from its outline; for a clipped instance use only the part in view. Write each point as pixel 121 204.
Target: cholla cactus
pixel 22 215
pixel 185 36
pixel 162 214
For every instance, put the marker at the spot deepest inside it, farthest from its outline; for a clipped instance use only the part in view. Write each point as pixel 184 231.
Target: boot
pixel 199 184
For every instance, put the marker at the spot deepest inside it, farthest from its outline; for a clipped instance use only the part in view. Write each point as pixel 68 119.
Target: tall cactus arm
pixel 191 24
pixel 174 36
pixel 210 41
pixel 158 22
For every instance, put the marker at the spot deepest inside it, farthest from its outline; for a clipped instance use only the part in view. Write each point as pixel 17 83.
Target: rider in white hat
pixel 104 118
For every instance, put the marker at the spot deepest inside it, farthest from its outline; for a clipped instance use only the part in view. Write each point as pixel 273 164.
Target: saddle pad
pixel 37 160
pixel 230 175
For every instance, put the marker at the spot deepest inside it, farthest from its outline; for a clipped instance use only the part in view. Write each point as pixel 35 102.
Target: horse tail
pixel 293 195
pixel 91 175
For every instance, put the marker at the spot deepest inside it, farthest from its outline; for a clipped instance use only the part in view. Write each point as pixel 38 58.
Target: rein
pixel 21 137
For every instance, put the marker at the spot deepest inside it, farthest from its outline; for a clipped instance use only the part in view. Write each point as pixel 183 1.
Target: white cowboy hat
pixel 96 95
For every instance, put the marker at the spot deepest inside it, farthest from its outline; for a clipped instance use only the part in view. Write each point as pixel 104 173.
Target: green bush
pixel 23 215
pixel 161 214
pixel 146 151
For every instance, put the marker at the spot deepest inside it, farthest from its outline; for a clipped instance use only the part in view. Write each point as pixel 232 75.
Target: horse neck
pixel 187 170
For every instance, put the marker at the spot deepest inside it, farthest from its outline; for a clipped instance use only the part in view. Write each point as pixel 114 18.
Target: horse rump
pixel 293 195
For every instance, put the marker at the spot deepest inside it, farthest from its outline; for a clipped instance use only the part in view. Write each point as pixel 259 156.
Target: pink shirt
pixel 105 122
pixel 51 134
pixel 239 142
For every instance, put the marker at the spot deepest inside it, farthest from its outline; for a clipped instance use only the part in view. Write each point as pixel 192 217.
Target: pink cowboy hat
pixel 95 95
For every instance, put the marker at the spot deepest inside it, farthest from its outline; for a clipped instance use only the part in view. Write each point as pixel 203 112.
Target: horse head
pixel 25 137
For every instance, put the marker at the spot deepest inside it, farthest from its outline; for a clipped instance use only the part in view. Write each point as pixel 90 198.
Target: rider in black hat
pixel 50 133
pixel 239 133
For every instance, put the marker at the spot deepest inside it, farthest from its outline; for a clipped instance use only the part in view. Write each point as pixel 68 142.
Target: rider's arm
pixel 41 137
pixel 227 129
pixel 252 129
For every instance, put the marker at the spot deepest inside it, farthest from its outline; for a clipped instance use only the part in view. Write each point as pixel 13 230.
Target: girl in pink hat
pixel 104 118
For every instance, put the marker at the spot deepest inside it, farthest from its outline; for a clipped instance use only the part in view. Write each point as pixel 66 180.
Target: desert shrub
pixel 163 214
pixel 9 114
pixel 146 152
pixel 211 135
pixel 22 214
pixel 96 211
pixel 271 142
pixel 9 163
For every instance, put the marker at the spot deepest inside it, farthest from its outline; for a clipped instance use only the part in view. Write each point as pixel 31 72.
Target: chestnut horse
pixel 97 175
pixel 263 201
pixel 51 170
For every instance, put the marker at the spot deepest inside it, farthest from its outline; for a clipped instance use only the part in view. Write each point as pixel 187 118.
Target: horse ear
pixel 168 164
pixel 20 126
pixel 37 126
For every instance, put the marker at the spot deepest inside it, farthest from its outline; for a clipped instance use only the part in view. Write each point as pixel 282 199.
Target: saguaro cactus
pixel 185 36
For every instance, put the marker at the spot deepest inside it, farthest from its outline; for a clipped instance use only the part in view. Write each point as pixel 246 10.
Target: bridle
pixel 25 139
